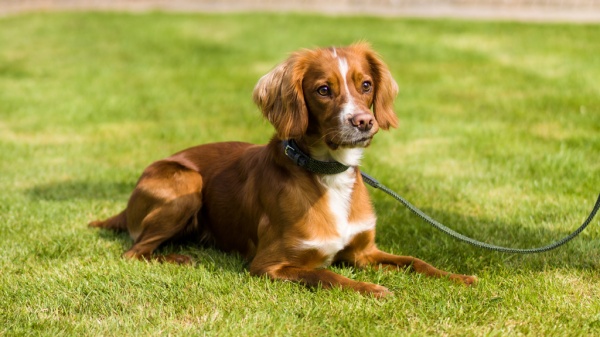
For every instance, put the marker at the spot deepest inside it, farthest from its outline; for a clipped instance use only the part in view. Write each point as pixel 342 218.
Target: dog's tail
pixel 117 222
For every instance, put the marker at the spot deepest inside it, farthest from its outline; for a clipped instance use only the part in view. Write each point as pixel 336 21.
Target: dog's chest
pixel 339 198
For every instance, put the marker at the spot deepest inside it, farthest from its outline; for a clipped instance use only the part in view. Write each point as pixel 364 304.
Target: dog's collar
pixel 291 150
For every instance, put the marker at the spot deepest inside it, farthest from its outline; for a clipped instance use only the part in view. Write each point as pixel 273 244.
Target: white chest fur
pixel 339 193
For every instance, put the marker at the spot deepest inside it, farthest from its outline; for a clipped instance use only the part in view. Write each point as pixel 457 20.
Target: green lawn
pixel 499 138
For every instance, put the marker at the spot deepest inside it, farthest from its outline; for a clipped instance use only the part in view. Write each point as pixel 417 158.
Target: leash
pixel 301 159
pixel 376 184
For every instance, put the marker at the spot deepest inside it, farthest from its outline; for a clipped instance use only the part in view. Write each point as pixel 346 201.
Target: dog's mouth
pixel 350 143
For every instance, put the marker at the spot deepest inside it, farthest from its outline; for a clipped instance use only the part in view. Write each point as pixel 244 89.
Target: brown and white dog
pixel 290 222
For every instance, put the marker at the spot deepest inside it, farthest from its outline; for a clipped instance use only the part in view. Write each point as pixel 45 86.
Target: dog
pixel 291 207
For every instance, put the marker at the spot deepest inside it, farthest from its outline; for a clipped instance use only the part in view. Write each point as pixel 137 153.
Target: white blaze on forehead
pixel 349 107
pixel 343 66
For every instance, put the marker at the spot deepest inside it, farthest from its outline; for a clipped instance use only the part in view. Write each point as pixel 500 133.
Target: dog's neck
pixel 333 161
pixel 346 156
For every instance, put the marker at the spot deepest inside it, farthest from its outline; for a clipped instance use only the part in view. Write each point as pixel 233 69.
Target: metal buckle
pixel 294 155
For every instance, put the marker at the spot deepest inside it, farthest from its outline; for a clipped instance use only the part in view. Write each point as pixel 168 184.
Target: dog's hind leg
pixel 162 224
pixel 164 206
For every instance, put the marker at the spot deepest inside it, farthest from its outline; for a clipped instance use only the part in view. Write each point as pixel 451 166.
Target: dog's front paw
pixel 374 290
pixel 464 279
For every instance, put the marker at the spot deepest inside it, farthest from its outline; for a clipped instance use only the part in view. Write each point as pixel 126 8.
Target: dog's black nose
pixel 362 121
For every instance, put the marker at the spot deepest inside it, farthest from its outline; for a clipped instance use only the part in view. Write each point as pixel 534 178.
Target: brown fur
pixel 288 222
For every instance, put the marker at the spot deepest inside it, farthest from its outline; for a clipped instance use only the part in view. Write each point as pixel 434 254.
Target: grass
pixel 499 138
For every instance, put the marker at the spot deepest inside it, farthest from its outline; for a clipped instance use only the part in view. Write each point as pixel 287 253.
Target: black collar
pixel 301 159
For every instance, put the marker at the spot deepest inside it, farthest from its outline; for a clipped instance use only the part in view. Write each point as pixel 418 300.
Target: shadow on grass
pixel 82 190
pixel 419 239
pixel 202 254
pixel 397 229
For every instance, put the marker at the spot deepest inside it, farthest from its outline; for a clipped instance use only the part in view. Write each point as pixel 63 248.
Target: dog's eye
pixel 367 86
pixel 324 90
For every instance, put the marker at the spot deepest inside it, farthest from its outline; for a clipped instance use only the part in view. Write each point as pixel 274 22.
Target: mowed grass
pixel 499 138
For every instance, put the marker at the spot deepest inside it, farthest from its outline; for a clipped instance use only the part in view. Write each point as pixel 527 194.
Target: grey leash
pixel 374 183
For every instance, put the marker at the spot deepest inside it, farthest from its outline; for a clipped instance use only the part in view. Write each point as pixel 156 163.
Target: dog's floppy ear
pixel 280 97
pixel 386 90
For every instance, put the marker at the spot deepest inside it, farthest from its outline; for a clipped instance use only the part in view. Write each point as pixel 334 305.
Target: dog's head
pixel 327 95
